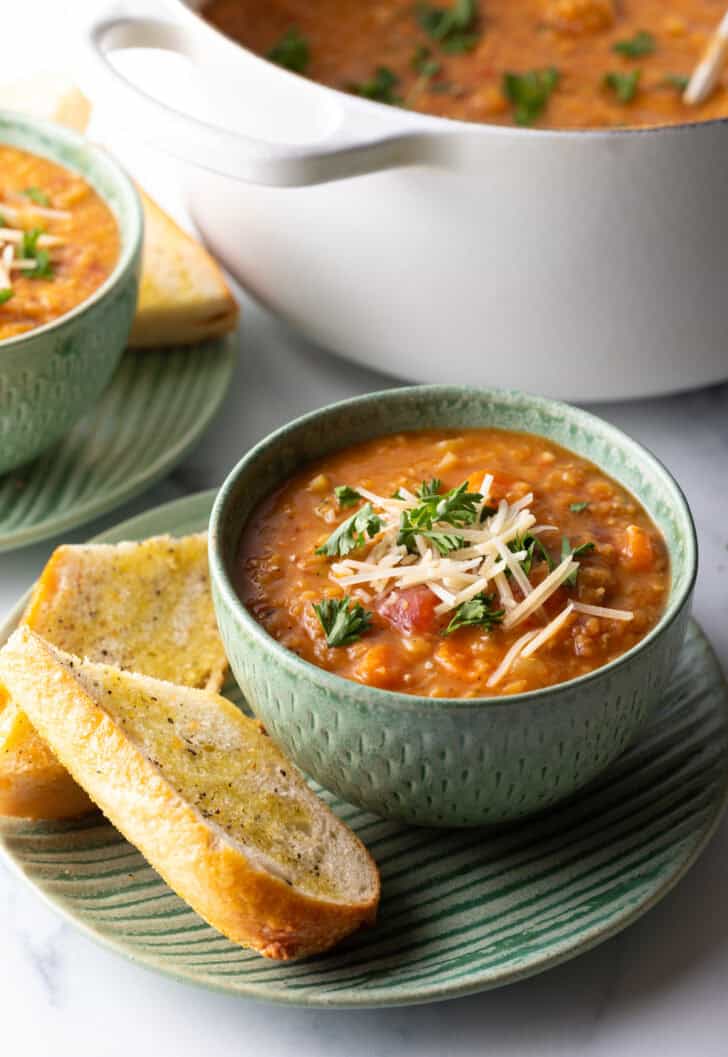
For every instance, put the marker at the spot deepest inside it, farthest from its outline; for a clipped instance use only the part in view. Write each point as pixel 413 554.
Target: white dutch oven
pixel 583 265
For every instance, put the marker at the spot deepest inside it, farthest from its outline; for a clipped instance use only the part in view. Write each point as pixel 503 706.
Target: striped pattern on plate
pixel 462 911
pixel 156 407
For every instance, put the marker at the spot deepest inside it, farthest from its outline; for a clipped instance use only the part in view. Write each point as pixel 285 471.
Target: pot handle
pixel 221 150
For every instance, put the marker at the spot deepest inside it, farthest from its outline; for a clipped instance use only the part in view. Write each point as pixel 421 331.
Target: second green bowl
pixel 51 376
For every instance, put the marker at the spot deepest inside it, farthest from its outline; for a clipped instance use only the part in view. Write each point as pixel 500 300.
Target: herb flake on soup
pixel 58 241
pixel 547 63
pixel 454 564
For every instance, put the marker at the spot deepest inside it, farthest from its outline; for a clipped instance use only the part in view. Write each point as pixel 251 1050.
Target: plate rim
pixel 196 504
pixel 132 486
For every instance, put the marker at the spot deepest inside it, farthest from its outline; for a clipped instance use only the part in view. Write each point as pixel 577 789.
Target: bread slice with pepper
pixel 205 795
pixel 143 606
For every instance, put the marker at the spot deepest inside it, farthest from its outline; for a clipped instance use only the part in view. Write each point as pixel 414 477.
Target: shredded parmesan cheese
pixel 510 658
pixel 487 562
pixel 539 594
pixel 549 631
pixel 17 211
pixel 603 611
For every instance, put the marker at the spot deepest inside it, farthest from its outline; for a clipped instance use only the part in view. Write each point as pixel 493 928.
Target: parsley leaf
pixel 292 51
pixel 578 552
pixel 36 195
pixel 346 496
pixel 642 43
pixel 624 85
pixel 5 295
pixel 29 248
pixel 678 81
pixel 43 267
pixel 529 92
pixel 534 549
pixel 443 542
pixel 452 27
pixel 351 533
pixel 342 622
pixel 576 508
pixel 479 611
pixel 429 488
pixel 30 241
pixel 457 508
pixel 380 88
pixel 424 63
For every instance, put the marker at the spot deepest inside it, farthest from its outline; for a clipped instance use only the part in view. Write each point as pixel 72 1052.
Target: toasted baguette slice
pixel 50 96
pixel 142 606
pixel 206 797
pixel 183 296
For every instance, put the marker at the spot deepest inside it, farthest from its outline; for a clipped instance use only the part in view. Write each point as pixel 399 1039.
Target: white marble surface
pixel 657 989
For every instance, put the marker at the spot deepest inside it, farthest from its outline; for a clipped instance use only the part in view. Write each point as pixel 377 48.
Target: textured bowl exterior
pixel 449 762
pixel 51 376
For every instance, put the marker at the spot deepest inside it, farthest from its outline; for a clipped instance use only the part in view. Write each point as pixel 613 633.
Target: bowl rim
pixel 331 681
pixel 130 237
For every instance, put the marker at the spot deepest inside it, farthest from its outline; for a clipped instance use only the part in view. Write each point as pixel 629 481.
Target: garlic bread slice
pixel 205 795
pixel 143 606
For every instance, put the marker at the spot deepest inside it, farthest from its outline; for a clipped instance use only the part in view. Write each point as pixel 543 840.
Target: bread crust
pixel 249 905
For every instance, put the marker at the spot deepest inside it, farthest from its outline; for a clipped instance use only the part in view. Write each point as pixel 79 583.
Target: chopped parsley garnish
pixel 424 63
pixel 29 248
pixel 454 28
pixel 443 542
pixel 624 85
pixel 36 195
pixel 534 549
pixel 678 81
pixel 5 295
pixel 292 51
pixel 343 622
pixel 642 43
pixel 346 496
pixel 487 511
pixel 576 508
pixel 479 611
pixel 578 552
pixel 381 88
pixel 456 508
pixel 529 92
pixel 351 533
pixel 429 488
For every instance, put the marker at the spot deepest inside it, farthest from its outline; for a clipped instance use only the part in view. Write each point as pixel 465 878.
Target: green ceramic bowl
pixel 52 375
pixel 449 762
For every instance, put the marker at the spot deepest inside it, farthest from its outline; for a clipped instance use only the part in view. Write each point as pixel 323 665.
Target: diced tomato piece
pixel 411 610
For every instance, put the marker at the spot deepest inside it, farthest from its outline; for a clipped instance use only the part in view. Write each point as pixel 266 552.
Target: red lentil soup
pixel 58 241
pixel 454 564
pixel 552 63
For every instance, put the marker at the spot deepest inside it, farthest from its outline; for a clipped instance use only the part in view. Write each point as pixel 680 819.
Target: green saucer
pixel 157 405
pixel 462 911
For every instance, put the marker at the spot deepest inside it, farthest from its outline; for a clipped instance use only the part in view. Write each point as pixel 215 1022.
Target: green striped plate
pixel 156 407
pixel 461 911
